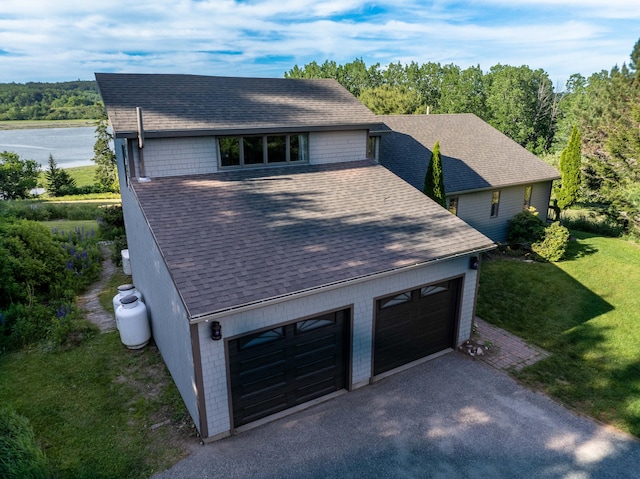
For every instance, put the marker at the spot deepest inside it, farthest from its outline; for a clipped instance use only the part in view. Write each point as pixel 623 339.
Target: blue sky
pixel 57 40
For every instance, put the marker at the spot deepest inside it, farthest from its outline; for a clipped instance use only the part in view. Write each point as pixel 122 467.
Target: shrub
pixel 41 273
pixel 554 244
pixel 111 223
pixel 20 455
pixel 526 227
pixel 592 224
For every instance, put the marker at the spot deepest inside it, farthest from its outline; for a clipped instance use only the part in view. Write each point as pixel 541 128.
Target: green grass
pixel 106 295
pixel 92 407
pixel 84 175
pixel 33 124
pixel 586 311
pixel 70 225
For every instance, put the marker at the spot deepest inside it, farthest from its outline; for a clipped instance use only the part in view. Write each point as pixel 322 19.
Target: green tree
pixel 106 175
pixel 570 159
pixel 17 177
pixel 521 104
pixel 434 179
pixel 387 100
pixel 59 182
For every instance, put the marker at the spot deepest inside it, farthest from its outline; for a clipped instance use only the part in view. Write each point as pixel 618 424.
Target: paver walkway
pixel 508 352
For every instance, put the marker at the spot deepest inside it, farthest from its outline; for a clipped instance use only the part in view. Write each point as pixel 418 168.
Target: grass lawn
pixel 93 407
pixel 586 311
pixel 33 124
pixel 71 225
pixel 84 175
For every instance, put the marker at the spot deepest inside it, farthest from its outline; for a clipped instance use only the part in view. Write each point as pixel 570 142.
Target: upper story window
pixel 527 197
pixel 254 150
pixel 495 203
pixel 453 205
pixel 373 148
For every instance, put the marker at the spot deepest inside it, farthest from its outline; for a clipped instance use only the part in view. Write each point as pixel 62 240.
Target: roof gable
pixel 475 155
pixel 195 103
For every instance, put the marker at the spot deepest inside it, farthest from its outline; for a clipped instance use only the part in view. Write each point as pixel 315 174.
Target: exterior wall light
pixel 473 262
pixel 216 331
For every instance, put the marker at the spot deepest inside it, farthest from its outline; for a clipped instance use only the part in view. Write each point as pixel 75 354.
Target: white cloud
pixel 54 40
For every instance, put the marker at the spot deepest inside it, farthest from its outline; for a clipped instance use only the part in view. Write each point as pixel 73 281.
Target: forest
pixel 50 101
pixel 525 105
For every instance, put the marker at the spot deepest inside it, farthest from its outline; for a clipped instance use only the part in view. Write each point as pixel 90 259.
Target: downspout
pixel 140 141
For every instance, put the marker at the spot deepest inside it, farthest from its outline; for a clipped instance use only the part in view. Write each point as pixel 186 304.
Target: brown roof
pixel 236 238
pixel 208 104
pixel 475 155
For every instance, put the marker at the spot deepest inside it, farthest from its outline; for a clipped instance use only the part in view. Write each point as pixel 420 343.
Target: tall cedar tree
pixel 105 159
pixel 567 194
pixel 434 181
pixel 59 181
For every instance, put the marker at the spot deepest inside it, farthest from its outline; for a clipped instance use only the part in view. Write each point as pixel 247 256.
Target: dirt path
pixel 89 302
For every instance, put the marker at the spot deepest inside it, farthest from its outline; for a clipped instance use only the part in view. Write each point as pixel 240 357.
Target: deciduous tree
pixel 17 176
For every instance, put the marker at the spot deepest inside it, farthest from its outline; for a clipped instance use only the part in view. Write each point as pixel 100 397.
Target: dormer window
pixel 260 150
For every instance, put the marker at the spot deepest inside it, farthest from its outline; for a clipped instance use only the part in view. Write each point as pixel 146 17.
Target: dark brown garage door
pixel 414 324
pixel 285 366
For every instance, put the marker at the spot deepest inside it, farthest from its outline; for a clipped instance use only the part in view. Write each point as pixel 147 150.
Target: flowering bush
pixel 42 273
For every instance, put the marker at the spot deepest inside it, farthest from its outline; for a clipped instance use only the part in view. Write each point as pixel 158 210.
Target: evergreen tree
pixel 59 182
pixel 434 180
pixel 106 175
pixel 567 194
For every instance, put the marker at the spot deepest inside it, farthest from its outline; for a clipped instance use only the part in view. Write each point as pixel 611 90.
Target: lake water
pixel 70 147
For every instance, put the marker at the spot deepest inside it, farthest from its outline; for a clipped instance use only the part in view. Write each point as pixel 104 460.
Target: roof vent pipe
pixel 140 139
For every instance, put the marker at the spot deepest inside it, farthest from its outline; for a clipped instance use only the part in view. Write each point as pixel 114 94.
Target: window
pixel 527 197
pixel 453 205
pixel 373 148
pixel 241 151
pixel 495 203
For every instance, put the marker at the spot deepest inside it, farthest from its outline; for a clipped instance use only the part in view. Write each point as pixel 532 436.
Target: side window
pixel 373 148
pixel 453 205
pixel 495 203
pixel 527 197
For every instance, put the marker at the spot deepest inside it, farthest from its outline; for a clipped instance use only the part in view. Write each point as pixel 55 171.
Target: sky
pixel 64 40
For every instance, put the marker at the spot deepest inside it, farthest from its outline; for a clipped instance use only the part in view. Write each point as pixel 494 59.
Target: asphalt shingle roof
pixel 475 155
pixel 204 104
pixel 240 237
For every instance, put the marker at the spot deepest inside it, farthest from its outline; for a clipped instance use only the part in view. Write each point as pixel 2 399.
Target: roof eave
pixel 205 317
pixel 505 185
pixel 183 133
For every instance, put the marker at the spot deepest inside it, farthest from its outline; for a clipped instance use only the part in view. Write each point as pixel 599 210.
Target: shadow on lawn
pixel 577 249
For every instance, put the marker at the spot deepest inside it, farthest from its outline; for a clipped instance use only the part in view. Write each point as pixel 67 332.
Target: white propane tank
pixel 124 290
pixel 133 323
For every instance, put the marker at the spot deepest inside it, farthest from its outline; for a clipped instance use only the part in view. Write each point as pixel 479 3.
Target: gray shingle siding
pixel 167 315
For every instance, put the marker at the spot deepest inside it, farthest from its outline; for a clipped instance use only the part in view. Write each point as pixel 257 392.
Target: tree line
pixel 523 104
pixel 50 101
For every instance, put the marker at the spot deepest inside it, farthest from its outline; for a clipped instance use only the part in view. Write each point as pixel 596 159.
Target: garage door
pixel 274 370
pixel 415 324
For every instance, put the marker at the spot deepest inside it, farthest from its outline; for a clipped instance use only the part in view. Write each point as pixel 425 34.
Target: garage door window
pixel 396 300
pixel 262 338
pixel 438 288
pixel 311 324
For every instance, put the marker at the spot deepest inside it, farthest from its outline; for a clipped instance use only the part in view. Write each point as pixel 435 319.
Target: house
pixel 280 266
pixel 488 177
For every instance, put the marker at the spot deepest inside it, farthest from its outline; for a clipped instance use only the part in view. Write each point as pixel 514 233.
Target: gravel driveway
pixel 448 418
